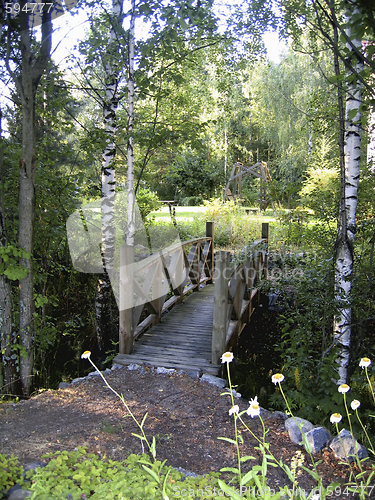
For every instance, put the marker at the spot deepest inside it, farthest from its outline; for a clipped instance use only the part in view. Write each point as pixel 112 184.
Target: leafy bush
pixel 191 201
pixel 321 192
pixel 148 202
pixel 10 472
pixel 78 475
pixel 233 228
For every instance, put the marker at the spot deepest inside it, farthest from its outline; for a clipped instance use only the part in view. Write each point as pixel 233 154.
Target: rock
pixel 77 380
pixel 20 495
pixel 63 385
pixel 236 394
pixel 133 367
pixel 191 374
pixel 162 370
pixel 349 447
pixel 210 379
pixel 116 366
pixel 295 426
pixel 318 438
pixel 33 466
pixel 280 414
pixel 93 374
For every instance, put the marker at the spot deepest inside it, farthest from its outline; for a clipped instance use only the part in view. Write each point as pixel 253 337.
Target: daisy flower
pixel 234 410
pixel 365 362
pixel 227 357
pixel 254 408
pixel 86 355
pixel 343 388
pixel 355 404
pixel 335 418
pixel 277 378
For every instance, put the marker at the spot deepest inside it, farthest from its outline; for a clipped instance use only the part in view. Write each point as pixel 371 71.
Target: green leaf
pixel 229 440
pixel 151 472
pixel 248 457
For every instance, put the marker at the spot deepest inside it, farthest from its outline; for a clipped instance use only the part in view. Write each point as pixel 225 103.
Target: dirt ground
pixel 184 414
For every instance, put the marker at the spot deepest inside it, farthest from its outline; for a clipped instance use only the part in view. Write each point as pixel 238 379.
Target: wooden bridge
pixel 203 303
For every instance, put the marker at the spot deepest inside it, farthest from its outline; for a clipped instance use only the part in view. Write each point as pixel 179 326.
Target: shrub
pixel 10 472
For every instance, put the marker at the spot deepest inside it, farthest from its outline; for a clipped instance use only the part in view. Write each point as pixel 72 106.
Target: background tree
pixel 30 60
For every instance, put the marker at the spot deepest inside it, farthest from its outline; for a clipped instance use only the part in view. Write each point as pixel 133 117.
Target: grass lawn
pixel 189 213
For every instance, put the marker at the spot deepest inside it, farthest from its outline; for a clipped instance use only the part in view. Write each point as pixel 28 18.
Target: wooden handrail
pixel 171 271
pixel 235 294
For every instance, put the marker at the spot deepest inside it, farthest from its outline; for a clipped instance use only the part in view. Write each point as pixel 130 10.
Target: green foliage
pixel 233 228
pixel 84 475
pixel 9 265
pixel 321 192
pixel 10 472
pixel 307 352
pixel 148 202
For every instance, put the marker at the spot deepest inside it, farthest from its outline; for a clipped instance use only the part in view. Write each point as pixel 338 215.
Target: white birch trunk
pixel 347 223
pixel 130 150
pixel 104 323
pixel 371 141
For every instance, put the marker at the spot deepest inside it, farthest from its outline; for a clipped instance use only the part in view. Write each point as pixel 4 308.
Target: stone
pixel 116 366
pixel 63 385
pixel 20 495
pixel 295 426
pixel 318 438
pixel 77 380
pixel 210 379
pixel 346 447
pixel 164 371
pixel 133 367
pixel 191 373
pixel 236 394
pixel 93 374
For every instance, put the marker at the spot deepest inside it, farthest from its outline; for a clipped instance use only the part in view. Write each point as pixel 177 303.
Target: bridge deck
pixel 182 340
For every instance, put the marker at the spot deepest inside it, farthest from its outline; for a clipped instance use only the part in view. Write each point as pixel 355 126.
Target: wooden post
pixel 210 255
pixel 265 235
pixel 126 326
pixel 219 328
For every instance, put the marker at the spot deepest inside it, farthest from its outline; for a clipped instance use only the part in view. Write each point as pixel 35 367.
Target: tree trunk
pixel 26 208
pixel 347 222
pixel 8 370
pixel 26 79
pixel 105 325
pixel 130 151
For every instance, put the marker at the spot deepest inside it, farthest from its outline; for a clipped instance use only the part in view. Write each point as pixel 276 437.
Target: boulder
pixel 164 371
pixel 20 494
pixel 133 367
pixel 346 447
pixel 63 385
pixel 210 379
pixel 318 438
pixel 295 426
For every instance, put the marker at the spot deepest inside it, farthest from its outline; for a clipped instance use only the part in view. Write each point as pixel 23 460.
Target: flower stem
pixel 235 428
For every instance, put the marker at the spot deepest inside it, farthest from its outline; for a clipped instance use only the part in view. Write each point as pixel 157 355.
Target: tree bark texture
pixel 8 370
pixel 27 81
pixel 105 325
pixel 347 222
pixel 130 149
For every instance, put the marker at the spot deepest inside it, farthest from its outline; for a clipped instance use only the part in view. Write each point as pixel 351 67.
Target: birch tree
pixel 347 221
pixel 112 78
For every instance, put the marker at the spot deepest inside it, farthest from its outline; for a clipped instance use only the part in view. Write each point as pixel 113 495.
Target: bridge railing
pixel 151 286
pixel 236 293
